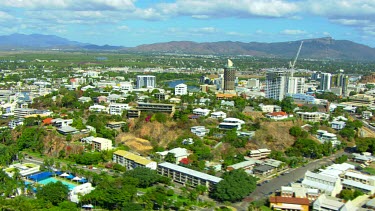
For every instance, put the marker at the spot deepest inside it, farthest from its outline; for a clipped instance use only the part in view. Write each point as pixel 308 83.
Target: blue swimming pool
pixel 52 179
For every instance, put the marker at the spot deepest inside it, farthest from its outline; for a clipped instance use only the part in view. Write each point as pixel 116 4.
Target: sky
pixel 135 22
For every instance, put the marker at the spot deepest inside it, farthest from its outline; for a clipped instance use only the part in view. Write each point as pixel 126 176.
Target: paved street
pixel 275 184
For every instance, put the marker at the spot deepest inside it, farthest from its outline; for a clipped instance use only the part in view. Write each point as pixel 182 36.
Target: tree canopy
pixel 236 185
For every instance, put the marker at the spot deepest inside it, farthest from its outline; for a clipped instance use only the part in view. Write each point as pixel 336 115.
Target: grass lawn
pixel 264 208
pixel 370 170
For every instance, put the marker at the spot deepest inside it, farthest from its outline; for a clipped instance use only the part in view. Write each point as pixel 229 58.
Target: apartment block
pixel 131 161
pixel 187 176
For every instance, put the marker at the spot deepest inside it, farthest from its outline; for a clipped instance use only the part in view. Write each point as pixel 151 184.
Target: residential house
pixel 15 122
pixel 84 99
pixel 187 176
pixel 130 160
pixel 115 125
pixel 179 153
pixel 324 136
pixel 231 123
pixel 277 115
pixel 199 131
pixel 61 122
pixel 312 116
pixel 366 114
pixel 118 108
pixel 113 98
pixel 201 111
pixel 98 108
pixel 338 125
pixel 101 99
pixel 259 153
pixel 66 130
pixel 218 114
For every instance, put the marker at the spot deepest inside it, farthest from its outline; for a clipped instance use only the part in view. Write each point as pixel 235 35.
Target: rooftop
pixel 130 156
pixel 190 172
pixel 289 200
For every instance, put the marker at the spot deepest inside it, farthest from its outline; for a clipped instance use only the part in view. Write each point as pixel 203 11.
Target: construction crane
pixel 291 65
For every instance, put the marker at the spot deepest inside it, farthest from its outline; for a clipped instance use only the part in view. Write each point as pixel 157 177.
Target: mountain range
pixel 319 48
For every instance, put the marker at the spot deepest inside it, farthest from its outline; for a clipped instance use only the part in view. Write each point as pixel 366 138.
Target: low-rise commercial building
pixel 289 203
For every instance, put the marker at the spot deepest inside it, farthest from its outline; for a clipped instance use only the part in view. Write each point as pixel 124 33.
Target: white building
pixel 366 114
pixel 180 89
pixel 312 116
pixel 326 184
pixel 296 85
pixel 324 136
pixel 218 114
pixel 276 84
pixel 199 131
pixel 230 123
pixel 98 108
pixel 179 153
pixel 118 108
pixel 253 83
pixel 338 125
pixel 101 144
pixel 187 176
pixel 62 122
pixel 146 81
pixel 131 161
pixel 80 191
pixel 201 111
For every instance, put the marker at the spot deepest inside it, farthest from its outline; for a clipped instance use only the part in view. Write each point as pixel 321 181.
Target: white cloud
pixel 4 16
pixel 70 4
pixel 123 27
pixel 293 32
pixel 204 30
pixel 351 22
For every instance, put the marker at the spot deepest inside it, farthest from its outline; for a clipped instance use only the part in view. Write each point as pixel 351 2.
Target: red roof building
pixel 277 115
pixel 47 121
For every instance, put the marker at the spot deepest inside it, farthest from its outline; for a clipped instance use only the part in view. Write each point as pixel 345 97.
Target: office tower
pixel 344 86
pixel 296 85
pixel 316 76
pixel 325 81
pixel 229 76
pixel 276 84
pixel 146 81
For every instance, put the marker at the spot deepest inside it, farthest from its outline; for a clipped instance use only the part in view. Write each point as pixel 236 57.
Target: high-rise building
pixel 344 86
pixel 296 85
pixel 229 76
pixel 325 81
pixel 276 84
pixel 146 81
pixel 180 89
pixel 253 83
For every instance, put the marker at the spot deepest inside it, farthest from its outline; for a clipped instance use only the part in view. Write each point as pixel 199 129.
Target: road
pixel 275 184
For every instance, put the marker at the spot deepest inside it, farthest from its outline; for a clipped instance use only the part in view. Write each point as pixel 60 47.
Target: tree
pixel 287 105
pixel 53 192
pixel 235 185
pixel 170 157
pixel 146 176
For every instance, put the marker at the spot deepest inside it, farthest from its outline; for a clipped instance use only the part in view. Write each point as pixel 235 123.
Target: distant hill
pixel 42 42
pixel 320 48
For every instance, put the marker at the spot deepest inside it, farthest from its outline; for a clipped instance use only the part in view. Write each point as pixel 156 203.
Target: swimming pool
pixel 51 179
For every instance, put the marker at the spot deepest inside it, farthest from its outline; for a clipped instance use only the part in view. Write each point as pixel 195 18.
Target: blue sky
pixel 136 22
